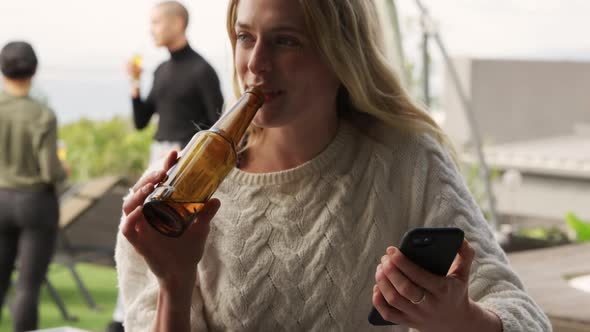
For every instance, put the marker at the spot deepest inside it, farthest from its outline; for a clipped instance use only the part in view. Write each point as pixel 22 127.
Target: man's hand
pixel 134 71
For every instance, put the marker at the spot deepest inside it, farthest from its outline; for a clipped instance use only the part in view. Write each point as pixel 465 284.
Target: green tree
pixel 114 147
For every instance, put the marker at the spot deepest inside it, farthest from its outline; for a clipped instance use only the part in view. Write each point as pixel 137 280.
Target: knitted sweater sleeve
pixel 139 289
pixel 444 200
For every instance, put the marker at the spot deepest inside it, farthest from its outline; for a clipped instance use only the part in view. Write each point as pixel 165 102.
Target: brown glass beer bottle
pixel 205 162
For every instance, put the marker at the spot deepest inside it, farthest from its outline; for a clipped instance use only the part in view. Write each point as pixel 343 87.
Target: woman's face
pixel 274 52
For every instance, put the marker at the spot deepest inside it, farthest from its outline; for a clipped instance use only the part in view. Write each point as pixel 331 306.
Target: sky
pixel 83 33
pixel 103 34
pixel 545 29
pixel 97 37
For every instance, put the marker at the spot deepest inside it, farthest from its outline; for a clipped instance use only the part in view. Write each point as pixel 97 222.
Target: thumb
pixel 171 159
pixel 201 225
pixel 462 263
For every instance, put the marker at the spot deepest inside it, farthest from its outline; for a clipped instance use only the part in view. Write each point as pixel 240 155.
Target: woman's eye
pixel 287 41
pixel 244 38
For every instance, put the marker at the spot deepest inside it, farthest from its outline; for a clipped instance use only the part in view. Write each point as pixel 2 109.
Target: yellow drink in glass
pixel 62 151
pixel 137 60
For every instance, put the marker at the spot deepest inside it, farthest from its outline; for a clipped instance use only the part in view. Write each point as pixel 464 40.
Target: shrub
pixel 111 147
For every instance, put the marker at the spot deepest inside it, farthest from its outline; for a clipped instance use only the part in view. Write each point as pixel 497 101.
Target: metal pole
pixel 425 69
pixel 484 170
pixel 394 20
pixel 59 302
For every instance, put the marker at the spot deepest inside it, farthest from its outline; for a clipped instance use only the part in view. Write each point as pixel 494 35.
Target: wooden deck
pixel 545 274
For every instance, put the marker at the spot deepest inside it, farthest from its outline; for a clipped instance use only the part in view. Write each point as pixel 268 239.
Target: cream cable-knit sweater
pixel 297 250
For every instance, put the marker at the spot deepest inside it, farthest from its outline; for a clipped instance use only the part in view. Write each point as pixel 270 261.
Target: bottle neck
pixel 234 123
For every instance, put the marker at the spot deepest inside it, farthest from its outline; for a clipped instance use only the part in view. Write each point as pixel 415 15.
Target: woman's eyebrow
pixel 279 28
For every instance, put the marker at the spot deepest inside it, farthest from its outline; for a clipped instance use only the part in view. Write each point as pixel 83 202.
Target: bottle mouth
pixel 256 92
pixel 164 219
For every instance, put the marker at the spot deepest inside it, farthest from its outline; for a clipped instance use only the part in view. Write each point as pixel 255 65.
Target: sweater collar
pixel 340 145
pixel 181 53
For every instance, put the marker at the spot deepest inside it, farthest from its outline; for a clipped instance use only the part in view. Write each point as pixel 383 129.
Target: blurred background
pixel 508 81
pixel 84 45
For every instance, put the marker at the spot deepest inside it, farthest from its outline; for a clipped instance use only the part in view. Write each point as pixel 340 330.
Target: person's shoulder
pixel 39 114
pixel 46 115
pixel 426 144
pixel 407 152
pixel 162 66
pixel 205 68
pixel 198 57
pixel 31 110
pixel 201 64
pixel 382 149
pixel 38 109
pixel 409 143
pixel 388 140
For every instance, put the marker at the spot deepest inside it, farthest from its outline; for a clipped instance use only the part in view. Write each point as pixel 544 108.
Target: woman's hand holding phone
pixel 409 295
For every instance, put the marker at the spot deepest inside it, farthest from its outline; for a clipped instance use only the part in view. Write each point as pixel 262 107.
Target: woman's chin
pixel 262 123
pixel 267 118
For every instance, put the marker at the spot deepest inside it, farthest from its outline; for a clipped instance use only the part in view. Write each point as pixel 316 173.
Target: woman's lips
pixel 272 94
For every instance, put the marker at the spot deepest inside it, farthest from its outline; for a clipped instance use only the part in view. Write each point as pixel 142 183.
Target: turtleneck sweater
pixel 186 95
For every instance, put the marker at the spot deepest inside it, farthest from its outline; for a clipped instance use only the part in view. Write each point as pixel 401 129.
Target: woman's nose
pixel 260 59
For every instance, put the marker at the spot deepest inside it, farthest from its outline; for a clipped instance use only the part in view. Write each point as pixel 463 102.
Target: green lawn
pixel 102 283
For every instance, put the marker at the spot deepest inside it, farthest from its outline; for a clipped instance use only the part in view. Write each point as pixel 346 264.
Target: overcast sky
pixel 79 31
pixel 555 29
pixel 101 35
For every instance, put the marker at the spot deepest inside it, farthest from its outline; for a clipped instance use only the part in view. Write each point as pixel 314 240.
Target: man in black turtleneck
pixel 185 92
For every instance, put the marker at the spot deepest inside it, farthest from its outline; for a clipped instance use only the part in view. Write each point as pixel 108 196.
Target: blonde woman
pixel 339 163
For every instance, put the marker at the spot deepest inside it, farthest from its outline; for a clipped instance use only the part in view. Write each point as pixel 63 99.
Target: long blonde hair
pixel 347 34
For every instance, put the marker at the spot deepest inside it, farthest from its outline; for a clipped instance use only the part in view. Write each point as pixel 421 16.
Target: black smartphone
pixel 433 249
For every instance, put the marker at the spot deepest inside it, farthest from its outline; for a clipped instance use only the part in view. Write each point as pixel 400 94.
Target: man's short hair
pixel 175 8
pixel 18 60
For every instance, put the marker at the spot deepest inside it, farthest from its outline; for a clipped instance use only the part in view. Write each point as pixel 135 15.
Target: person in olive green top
pixel 30 170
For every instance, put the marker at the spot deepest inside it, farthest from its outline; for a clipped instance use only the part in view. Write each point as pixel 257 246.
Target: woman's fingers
pixel 462 263
pixel 404 286
pixel 431 282
pixel 137 198
pixel 201 224
pixel 129 228
pixel 388 313
pixel 170 160
pixel 153 178
pixel 138 231
pixel 389 291
pixel 158 176
pixel 146 184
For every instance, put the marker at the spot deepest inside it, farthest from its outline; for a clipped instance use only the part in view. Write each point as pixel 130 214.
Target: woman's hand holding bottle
pixel 172 260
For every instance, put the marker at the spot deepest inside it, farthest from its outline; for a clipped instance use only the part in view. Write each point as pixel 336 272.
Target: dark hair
pixel 18 60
